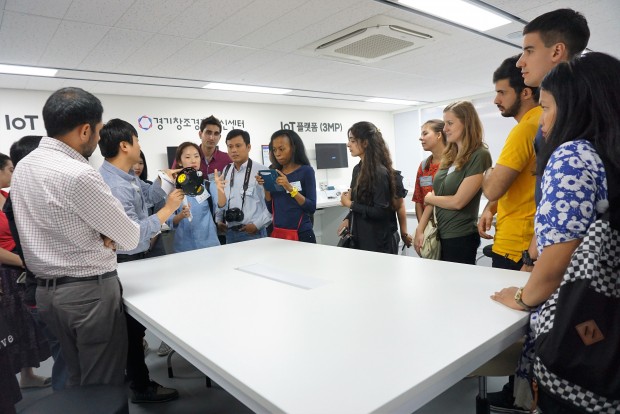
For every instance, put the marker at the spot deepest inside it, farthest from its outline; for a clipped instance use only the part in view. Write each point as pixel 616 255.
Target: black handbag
pixel 6 336
pixel 578 343
pixel 347 240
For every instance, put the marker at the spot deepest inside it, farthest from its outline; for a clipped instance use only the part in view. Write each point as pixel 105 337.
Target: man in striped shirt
pixel 69 221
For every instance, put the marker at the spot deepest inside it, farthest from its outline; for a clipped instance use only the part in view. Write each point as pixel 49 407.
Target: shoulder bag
pixel 578 335
pixel 285 234
pixel 6 333
pixel 431 248
pixel 347 239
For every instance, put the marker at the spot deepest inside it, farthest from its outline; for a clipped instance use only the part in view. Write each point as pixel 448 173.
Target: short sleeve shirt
pixel 459 223
pixel 516 208
pixel 424 180
pixel 574 194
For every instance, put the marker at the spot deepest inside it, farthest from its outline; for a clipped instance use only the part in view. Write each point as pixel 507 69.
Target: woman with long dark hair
pixel 372 196
pixel 580 164
pixel 293 208
pixel 141 169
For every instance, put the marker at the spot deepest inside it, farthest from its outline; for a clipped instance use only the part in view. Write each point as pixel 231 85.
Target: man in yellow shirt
pixel 509 186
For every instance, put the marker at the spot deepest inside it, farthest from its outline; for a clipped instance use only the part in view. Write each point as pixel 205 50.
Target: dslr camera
pixel 233 214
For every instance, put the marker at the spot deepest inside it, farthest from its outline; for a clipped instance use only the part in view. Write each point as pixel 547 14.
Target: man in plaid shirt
pixel 69 223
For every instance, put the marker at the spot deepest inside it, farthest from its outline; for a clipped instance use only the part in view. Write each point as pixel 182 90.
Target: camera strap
pixel 246 181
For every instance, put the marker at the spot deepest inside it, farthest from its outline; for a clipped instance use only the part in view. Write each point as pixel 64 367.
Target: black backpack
pixel 578 335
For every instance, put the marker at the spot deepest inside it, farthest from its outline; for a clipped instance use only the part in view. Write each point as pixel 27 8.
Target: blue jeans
pixel 59 369
pixel 241 236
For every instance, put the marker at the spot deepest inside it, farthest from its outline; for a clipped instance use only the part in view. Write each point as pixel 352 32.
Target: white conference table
pixel 378 333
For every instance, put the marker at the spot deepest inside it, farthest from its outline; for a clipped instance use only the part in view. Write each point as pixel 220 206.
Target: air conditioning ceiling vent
pixel 373 40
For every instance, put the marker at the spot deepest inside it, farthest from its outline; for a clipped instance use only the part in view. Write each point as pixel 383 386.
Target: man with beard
pixel 509 186
pixel 68 222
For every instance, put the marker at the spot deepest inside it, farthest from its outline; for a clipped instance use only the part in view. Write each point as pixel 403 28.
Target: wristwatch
pixel 526 258
pixel 520 302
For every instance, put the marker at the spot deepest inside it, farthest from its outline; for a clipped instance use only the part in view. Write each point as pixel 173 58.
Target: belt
pixel 121 258
pixel 70 279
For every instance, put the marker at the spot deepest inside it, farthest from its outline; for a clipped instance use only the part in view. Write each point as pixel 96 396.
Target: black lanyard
pixel 246 182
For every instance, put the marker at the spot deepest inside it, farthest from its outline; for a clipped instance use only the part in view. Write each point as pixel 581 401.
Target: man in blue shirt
pixel 120 147
pixel 245 215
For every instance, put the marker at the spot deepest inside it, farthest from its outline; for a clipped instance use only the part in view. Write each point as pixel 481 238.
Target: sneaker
pixel 164 349
pixel 503 401
pixel 154 393
pixel 145 345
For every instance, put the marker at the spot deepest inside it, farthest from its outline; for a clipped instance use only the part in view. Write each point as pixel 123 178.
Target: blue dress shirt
pixel 135 196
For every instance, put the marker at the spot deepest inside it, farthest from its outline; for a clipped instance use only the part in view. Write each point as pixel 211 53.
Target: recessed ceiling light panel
pixel 27 70
pixel 460 12
pixel 246 88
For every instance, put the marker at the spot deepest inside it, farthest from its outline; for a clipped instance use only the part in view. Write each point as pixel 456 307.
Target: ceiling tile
pixel 23 38
pixel 150 54
pixel 106 14
pixel 203 16
pixel 58 52
pixel 217 62
pixel 56 8
pixel 152 16
pixel 114 48
pixel 250 18
pixel 192 55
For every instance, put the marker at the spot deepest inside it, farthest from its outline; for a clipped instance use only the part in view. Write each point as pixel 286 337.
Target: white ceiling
pixel 172 48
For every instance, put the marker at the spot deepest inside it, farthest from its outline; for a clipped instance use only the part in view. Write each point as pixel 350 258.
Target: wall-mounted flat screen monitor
pixel 172 153
pixel 331 156
pixel 265 152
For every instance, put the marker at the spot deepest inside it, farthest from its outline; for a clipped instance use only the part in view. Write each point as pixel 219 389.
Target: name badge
pixel 297 185
pixel 203 197
pixel 426 180
pixel 451 169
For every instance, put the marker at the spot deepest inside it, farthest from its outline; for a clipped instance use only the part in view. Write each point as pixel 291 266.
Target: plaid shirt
pixel 62 208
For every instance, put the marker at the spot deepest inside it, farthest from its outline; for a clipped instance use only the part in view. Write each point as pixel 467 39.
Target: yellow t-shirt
pixel 516 208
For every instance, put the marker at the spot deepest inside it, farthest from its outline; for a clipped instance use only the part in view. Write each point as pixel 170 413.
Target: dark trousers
pixel 460 249
pixel 501 262
pixel 137 371
pixel 307 236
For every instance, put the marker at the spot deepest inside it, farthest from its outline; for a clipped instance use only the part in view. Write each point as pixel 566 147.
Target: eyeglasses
pixel 212 133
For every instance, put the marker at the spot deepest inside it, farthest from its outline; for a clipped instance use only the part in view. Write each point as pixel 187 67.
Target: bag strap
pixel 246 181
pixel 351 223
pixel 273 211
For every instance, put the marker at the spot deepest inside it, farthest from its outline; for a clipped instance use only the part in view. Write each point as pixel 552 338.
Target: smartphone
pixel 270 177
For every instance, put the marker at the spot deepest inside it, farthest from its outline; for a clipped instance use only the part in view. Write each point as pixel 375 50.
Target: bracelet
pixel 294 192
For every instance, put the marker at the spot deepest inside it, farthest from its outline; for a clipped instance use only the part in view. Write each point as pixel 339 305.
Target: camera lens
pixel 233 214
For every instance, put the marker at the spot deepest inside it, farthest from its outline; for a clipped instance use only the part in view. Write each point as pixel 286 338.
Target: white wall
pixel 260 120
pixel 407 133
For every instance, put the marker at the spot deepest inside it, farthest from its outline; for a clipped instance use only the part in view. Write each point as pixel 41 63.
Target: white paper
pixel 166 184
